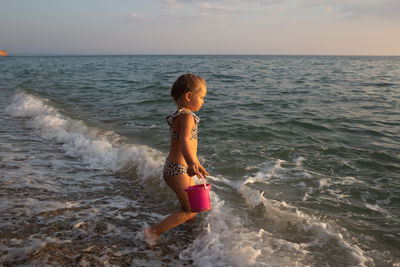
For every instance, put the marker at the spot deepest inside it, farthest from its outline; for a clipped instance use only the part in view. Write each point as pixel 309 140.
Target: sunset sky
pixel 301 27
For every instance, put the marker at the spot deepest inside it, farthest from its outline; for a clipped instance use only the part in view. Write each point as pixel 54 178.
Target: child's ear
pixel 188 96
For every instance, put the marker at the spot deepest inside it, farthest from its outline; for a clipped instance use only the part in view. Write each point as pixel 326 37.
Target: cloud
pixel 268 10
pixel 328 9
pixel 133 16
pixel 214 9
pixel 357 9
pixel 383 9
pixel 174 3
pixel 180 3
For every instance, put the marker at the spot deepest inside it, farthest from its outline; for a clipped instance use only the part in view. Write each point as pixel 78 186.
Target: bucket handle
pixel 204 180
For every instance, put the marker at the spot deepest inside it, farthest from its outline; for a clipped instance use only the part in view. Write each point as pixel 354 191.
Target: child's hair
pixel 185 83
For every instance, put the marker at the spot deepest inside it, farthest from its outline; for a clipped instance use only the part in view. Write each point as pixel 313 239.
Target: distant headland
pixel 3 53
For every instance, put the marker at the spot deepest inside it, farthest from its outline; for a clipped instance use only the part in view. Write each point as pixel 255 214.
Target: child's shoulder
pixel 179 115
pixel 190 116
pixel 184 116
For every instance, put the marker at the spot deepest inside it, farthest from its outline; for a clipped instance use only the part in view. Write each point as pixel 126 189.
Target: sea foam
pixel 305 231
pixel 284 235
pixel 97 148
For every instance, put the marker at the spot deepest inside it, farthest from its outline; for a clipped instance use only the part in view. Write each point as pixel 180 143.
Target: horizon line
pixel 192 54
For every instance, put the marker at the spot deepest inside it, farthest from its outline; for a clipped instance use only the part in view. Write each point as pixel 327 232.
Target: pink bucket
pixel 199 197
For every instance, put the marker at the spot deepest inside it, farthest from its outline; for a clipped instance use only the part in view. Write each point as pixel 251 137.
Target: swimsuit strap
pixel 171 117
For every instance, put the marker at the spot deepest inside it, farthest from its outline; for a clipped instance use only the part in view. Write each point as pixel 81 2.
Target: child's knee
pixel 186 206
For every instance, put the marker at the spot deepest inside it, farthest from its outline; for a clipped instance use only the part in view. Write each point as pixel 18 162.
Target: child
pixel 182 163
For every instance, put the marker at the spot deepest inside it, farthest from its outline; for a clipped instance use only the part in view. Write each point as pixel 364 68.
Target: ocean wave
pixel 307 232
pixel 97 148
pixel 280 234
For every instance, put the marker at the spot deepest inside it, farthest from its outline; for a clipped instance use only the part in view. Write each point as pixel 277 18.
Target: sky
pixel 285 27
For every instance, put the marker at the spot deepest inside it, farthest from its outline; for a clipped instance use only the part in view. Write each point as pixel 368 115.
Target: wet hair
pixel 185 83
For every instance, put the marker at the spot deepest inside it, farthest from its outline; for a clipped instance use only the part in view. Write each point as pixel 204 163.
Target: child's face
pixel 197 98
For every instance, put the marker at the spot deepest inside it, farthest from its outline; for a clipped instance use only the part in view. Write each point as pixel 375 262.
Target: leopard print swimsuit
pixel 173 116
pixel 171 168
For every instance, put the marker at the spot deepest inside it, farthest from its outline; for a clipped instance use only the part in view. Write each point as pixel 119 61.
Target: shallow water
pixel 304 154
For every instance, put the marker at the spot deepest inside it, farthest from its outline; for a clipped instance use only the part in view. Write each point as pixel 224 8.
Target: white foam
pixel 338 194
pixel 378 209
pixel 31 206
pixel 348 180
pixel 286 236
pixel 216 246
pixel 305 197
pixel 226 241
pixel 78 225
pixel 386 201
pixel 99 149
pixel 284 218
pixel 324 182
pixel 301 184
pixel 299 162
pixel 27 177
pixel 32 245
pixel 274 171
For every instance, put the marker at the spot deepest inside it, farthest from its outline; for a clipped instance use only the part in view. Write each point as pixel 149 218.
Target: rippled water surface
pixel 304 156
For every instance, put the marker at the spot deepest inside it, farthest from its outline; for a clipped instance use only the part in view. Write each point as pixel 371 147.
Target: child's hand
pixel 197 169
pixel 203 171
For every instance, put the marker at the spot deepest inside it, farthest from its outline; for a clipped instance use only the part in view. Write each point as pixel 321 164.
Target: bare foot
pixel 150 237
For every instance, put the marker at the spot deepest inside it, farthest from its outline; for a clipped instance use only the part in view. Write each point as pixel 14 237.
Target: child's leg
pixel 177 184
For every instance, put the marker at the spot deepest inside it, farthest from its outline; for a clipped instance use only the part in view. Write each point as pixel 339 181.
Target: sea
pixel 303 154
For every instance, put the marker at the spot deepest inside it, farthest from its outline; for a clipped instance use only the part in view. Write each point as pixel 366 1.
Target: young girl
pixel 182 163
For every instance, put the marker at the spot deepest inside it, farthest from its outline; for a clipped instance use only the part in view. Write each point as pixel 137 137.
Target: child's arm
pixel 189 153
